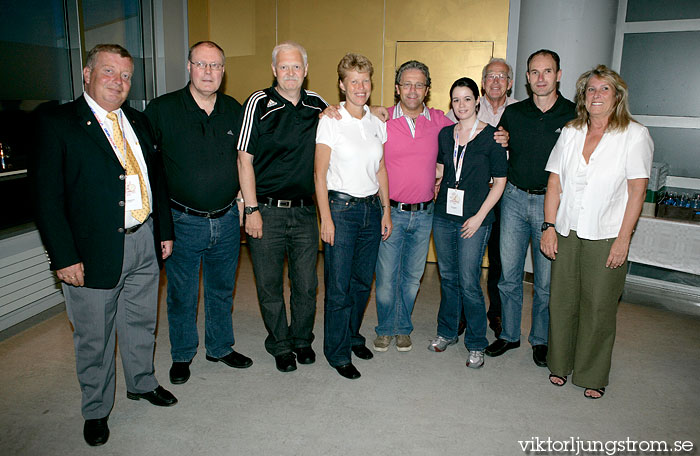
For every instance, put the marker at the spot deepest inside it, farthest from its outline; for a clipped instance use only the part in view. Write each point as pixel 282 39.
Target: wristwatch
pixel 250 209
pixel 545 225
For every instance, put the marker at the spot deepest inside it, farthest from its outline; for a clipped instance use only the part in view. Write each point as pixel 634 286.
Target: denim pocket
pixel 177 215
pixel 339 205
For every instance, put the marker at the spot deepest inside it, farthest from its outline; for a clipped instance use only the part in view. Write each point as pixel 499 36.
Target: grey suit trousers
pixel 126 313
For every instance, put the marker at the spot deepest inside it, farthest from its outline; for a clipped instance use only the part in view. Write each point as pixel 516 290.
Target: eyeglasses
pixel 216 66
pixel 494 76
pixel 417 85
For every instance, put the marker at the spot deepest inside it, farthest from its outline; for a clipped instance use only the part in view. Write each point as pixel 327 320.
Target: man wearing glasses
pixel 195 128
pixel 410 155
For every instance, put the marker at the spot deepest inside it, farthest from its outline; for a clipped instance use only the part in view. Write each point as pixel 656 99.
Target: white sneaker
pixel 440 344
pixel 476 359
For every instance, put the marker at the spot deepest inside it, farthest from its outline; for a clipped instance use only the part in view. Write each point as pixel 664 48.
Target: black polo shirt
pixel 282 138
pixel 199 150
pixel 533 134
pixel 484 159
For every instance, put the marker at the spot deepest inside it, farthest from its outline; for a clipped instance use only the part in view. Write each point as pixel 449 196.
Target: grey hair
pixel 497 60
pixel 413 65
pixel 287 45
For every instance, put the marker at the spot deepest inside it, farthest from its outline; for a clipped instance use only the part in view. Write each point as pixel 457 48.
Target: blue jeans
pixel 348 272
pixel 522 215
pixel 459 262
pixel 214 244
pixel 294 232
pixel 400 266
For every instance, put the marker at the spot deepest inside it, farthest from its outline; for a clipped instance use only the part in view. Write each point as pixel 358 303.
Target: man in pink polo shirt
pixel 410 154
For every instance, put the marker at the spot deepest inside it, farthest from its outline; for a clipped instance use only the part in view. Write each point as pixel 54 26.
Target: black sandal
pixel 600 391
pixel 553 377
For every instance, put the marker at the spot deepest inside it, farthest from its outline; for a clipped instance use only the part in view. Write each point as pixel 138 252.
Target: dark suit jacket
pixel 79 191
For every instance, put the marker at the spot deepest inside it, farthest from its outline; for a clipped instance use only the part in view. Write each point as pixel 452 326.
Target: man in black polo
pixel 276 164
pixel 196 128
pixel 534 126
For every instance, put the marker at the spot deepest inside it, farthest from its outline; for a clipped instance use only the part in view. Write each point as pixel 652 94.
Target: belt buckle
pixel 284 203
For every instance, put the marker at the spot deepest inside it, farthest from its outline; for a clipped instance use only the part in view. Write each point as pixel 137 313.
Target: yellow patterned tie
pixel 132 167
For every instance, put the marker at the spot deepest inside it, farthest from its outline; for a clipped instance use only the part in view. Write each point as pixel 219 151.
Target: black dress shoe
pixel 159 396
pixel 286 362
pixel 305 355
pixel 96 432
pixel 500 346
pixel 361 352
pixel 348 371
pixel 539 355
pixel 179 372
pixel 233 359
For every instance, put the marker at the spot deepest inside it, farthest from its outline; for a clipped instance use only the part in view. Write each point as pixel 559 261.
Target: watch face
pixel 249 210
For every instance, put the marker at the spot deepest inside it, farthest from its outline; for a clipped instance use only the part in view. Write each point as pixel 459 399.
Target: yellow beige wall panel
pixel 198 20
pixel 248 30
pixel 232 26
pixel 447 61
pixel 452 23
pixel 330 29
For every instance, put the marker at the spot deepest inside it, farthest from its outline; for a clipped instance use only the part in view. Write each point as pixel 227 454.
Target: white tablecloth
pixel 670 244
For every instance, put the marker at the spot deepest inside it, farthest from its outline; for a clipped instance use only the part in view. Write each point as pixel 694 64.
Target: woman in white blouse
pixel 599 170
pixel 350 182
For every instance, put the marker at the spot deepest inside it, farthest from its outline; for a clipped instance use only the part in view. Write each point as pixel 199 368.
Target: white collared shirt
pixel 618 157
pixel 398 113
pixel 357 147
pixel 132 139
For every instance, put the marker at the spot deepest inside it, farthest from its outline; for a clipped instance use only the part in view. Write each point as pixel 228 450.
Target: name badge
pixel 133 193
pixel 455 201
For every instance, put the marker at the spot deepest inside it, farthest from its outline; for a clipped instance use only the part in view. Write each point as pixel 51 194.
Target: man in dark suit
pixel 102 211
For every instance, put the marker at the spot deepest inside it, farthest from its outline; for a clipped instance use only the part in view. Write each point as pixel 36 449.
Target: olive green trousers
pixel 583 302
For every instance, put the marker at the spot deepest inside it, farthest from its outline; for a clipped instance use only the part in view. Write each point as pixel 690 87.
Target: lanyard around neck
pixel 121 153
pixel 458 163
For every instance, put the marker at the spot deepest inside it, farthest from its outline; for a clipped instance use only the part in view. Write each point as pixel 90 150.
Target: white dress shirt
pixel 132 139
pixel 619 156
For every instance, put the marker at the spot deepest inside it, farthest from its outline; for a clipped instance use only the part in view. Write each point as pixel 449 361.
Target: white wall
pixel 582 32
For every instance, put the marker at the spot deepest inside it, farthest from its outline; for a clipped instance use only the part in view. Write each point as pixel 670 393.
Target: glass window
pixel 679 147
pixel 36 62
pixel 655 10
pixel 117 21
pixel 662 72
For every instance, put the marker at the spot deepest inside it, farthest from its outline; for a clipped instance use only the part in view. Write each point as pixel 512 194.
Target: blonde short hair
pixel 354 62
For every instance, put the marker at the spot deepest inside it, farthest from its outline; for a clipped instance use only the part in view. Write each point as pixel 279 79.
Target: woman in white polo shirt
pixel 599 170
pixel 351 189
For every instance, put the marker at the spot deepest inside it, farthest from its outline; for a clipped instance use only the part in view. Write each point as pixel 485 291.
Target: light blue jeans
pixel 400 266
pixel 522 215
